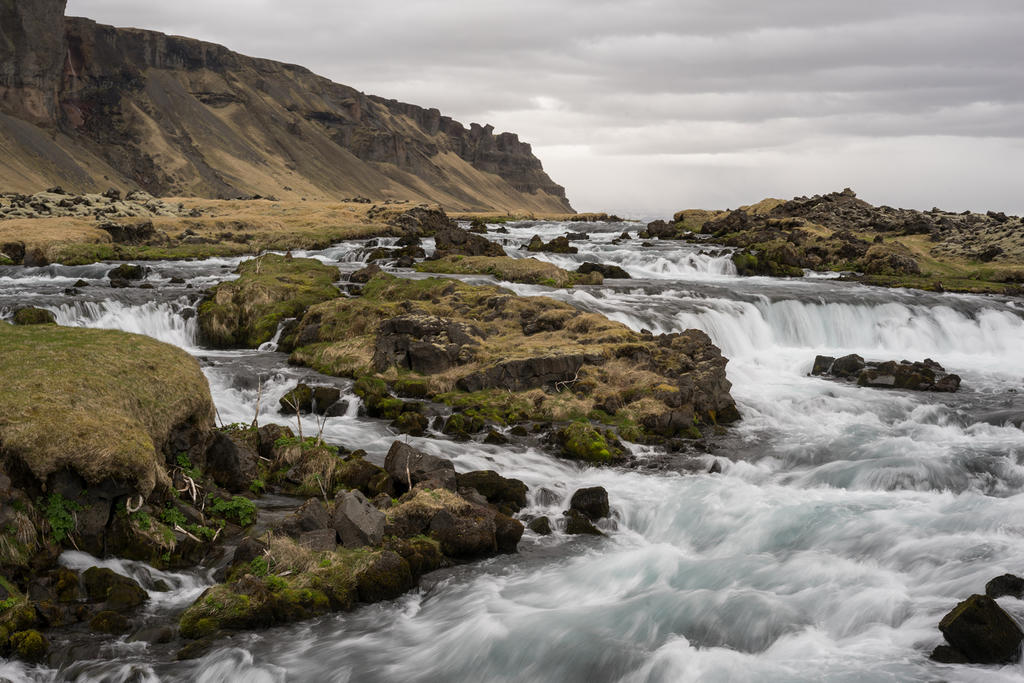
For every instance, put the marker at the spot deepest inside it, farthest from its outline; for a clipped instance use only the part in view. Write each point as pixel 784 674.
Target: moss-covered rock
pixel 246 312
pixel 509 358
pixel 526 270
pixel 581 441
pixel 116 591
pixel 109 621
pixel 29 646
pixel 33 316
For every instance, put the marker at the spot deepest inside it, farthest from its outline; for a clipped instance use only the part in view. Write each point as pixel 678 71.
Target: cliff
pixel 89 106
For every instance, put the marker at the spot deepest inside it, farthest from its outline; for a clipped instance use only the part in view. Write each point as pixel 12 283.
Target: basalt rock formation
pixel 87 106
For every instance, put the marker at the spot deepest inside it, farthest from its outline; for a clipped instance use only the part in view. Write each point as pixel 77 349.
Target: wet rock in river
pixel 607 270
pixel 1007 584
pixel 926 375
pixel 981 631
pixel 591 502
pixel 356 521
pixel 407 467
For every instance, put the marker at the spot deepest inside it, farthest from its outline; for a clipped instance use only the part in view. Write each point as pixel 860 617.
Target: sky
pixel 645 107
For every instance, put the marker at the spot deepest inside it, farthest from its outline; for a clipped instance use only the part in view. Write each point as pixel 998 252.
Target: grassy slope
pixel 101 402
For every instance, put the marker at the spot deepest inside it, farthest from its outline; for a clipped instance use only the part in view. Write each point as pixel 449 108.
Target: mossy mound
pixel 581 441
pixel 296 584
pixel 502 358
pixel 33 316
pixel 101 403
pixel 246 312
pixel 526 270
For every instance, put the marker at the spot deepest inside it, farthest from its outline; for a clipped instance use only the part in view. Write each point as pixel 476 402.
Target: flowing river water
pixel 844 524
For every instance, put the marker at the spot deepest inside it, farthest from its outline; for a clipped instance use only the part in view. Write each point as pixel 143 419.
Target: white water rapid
pixel 845 523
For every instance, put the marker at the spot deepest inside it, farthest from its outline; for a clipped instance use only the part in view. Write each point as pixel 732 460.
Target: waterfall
pixel 160 320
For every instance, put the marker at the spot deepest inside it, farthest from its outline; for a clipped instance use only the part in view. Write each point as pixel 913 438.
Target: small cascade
pixel 272 344
pixel 160 320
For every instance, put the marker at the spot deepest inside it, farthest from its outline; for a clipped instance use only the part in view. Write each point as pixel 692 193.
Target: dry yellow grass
pixel 99 402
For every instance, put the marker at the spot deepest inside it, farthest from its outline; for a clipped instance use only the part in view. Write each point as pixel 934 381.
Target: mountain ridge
pixel 133 108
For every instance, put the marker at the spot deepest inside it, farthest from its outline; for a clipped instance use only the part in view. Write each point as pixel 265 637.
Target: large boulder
pixel 1007 584
pixel 117 592
pixel 525 374
pixel 31 315
pixel 357 522
pixel 508 495
pixel 982 632
pixel 311 516
pixel 408 467
pixel 453 240
pixel 591 502
pixel 232 465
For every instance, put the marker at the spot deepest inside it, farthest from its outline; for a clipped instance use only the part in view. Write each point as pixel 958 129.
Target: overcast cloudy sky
pixel 648 106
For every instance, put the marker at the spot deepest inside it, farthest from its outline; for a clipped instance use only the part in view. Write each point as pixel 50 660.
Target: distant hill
pixel 89 106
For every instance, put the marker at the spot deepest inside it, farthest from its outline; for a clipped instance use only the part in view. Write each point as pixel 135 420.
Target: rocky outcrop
pixel 174 116
pixel 513 359
pixel 926 375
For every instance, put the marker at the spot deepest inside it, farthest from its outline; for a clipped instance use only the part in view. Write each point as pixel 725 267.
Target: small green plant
pixel 183 461
pixel 239 510
pixel 258 486
pixel 203 532
pixel 141 519
pixel 59 513
pixel 172 517
pixel 258 566
pixel 7 604
pixel 275 583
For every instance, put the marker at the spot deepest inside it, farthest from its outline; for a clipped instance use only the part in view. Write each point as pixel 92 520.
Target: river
pixel 844 524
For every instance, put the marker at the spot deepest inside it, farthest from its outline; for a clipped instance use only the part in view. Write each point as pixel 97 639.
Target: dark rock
pixel 507 533
pixel 453 240
pixel 576 523
pixel 127 271
pixel 137 233
pixel 559 245
pixel 231 463
pixel 386 578
pixel 540 526
pixel 415 424
pixel 982 631
pixel 407 466
pixel 157 635
pixel 592 502
pixel 309 399
pixel 949 655
pixel 268 435
pixel 117 591
pixel 495 437
pixel 357 522
pixel 822 364
pixel 465 535
pixel 524 374
pixel 364 275
pixel 508 495
pixel 607 270
pixel 109 622
pixel 848 366
pixel 424 344
pixel 311 516
pixel 248 550
pixel 1007 584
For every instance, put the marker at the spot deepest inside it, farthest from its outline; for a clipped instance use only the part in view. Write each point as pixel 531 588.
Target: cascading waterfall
pixel 160 320
pixel 845 523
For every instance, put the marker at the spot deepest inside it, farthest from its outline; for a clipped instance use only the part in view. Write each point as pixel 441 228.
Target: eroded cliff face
pixel 31 57
pixel 177 116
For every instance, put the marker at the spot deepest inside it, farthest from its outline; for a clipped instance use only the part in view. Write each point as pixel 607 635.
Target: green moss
pixel 525 270
pixel 581 441
pixel 30 646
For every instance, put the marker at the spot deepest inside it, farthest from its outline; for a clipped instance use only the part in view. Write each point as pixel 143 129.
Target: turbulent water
pixel 845 522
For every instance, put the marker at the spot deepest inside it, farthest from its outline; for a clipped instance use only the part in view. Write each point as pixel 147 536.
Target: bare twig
pixel 128 505
pixel 293 402
pixel 259 399
pixel 177 527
